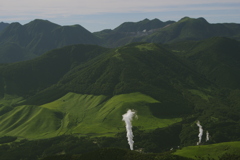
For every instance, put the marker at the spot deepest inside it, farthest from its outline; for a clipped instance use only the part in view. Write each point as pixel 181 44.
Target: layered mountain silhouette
pixel 39 36
pixel 127 31
pixel 166 32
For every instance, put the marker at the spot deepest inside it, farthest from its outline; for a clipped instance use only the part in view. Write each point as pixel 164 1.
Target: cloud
pixel 79 7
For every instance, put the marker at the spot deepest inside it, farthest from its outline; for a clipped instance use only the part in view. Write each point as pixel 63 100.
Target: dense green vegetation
pixel 158 140
pixel 118 154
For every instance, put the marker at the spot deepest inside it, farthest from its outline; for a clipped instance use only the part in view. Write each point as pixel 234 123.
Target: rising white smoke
pixel 200 132
pixel 207 136
pixel 127 117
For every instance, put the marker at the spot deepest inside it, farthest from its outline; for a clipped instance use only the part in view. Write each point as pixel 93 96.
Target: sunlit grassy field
pixel 81 114
pixel 212 151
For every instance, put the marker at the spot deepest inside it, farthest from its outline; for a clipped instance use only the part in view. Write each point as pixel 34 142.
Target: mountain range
pixel 41 35
pixel 71 91
pixel 22 42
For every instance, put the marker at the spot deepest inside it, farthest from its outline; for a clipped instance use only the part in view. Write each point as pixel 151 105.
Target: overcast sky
pixel 96 15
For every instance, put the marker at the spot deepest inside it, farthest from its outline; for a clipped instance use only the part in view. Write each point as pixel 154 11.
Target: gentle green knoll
pixel 212 151
pixel 102 115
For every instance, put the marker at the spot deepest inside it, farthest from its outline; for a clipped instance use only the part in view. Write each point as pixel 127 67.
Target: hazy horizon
pixel 108 14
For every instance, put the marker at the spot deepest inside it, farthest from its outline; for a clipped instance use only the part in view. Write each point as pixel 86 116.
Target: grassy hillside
pixel 212 151
pixel 107 82
pixel 29 122
pixel 82 114
pixel 99 114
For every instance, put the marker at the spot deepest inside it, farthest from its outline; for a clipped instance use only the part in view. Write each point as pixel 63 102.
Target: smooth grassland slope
pixel 29 122
pixel 81 114
pixel 86 114
pixel 212 151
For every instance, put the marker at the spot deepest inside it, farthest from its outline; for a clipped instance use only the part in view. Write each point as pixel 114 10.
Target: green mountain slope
pixel 12 52
pixel 217 58
pixel 40 36
pixel 85 89
pixel 109 74
pixel 27 78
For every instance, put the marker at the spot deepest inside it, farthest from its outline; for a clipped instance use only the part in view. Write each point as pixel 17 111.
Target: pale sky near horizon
pixel 96 15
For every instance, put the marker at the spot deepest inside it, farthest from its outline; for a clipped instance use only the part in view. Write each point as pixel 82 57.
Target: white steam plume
pixel 127 117
pixel 200 132
pixel 207 136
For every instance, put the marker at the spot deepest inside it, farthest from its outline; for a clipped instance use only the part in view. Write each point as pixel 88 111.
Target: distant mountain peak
pixel 146 19
pixel 3 25
pixel 184 19
pixel 39 25
pixel 145 24
pixel 40 22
